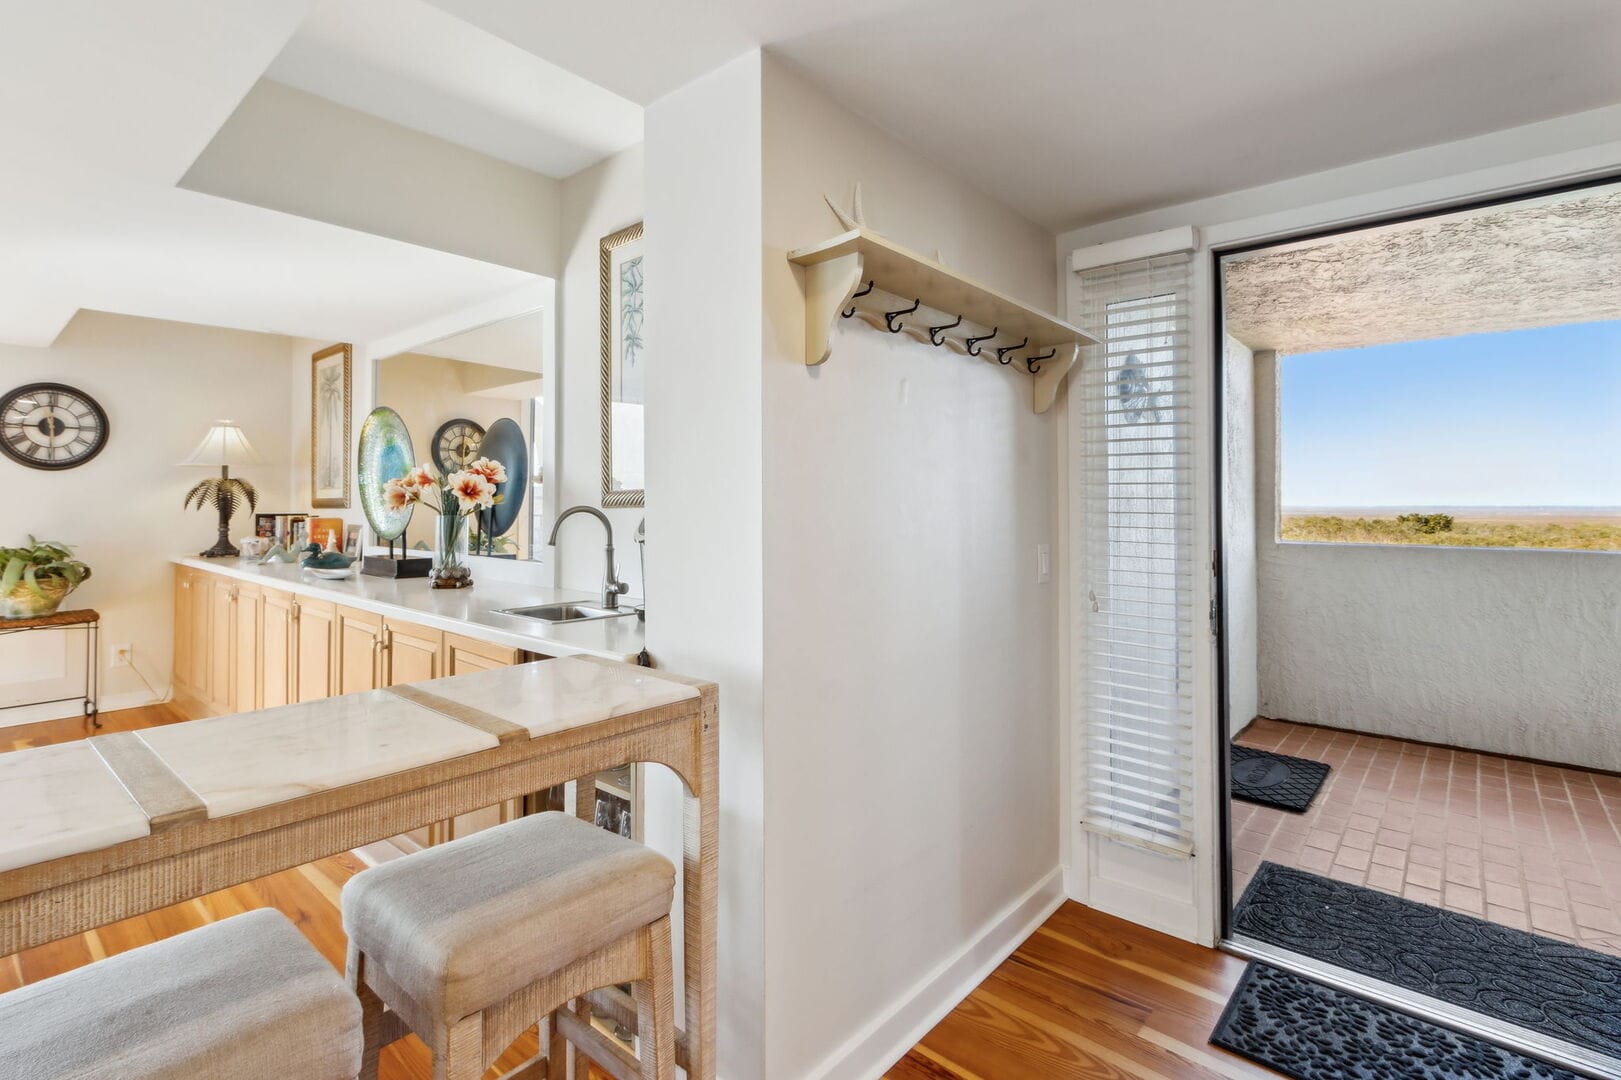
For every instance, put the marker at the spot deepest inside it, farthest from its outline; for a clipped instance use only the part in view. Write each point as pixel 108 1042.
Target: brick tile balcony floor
pixel 1535 847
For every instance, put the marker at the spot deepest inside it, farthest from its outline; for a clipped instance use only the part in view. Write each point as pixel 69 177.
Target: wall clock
pixel 51 426
pixel 456 445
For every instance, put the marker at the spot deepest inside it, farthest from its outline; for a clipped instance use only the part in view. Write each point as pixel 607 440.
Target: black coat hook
pixel 934 332
pixel 1001 354
pixel 851 313
pixel 1031 362
pixel 891 316
pixel 972 343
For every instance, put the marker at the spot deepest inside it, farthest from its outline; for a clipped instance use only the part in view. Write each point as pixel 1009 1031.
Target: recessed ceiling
pixel 411 63
pixel 1073 111
pixel 1541 262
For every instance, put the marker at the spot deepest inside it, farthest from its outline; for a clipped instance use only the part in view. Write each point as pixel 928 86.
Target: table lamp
pixel 223 446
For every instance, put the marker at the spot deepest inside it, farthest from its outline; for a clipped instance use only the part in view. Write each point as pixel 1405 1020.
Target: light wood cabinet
pixel 221 642
pixel 411 653
pixel 184 582
pixel 358 639
pixel 247 650
pixel 277 634
pixel 465 654
pixel 314 648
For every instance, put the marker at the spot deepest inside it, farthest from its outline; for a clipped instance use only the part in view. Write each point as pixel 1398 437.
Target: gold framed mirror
pixel 624 360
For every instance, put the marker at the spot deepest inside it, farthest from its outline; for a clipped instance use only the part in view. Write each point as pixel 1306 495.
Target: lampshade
pixel 224 445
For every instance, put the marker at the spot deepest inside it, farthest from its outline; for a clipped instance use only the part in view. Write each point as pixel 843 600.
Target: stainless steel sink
pixel 563 613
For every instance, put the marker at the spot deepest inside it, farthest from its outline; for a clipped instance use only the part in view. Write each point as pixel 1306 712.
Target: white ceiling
pixel 1082 110
pixel 107 107
pixel 411 63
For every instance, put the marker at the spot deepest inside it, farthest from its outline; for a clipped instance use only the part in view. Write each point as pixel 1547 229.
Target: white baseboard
pixel 61 710
pixel 884 1041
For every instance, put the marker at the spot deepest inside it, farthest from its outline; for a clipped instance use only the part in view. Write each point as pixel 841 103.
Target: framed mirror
pixel 624 364
pixel 454 395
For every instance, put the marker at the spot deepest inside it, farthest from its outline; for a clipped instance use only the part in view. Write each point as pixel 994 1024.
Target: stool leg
pixel 559 1052
pixel 371 1013
pixel 655 1005
pixel 464 1051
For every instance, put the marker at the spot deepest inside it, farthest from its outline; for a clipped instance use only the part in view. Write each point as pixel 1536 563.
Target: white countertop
pixel 474 612
pixel 67 799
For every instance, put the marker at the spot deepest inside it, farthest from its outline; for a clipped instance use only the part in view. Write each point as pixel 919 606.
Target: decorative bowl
pixel 331 575
pixel 24 603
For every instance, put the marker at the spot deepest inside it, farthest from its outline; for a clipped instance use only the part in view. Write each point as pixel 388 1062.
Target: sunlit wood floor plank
pixel 1088 997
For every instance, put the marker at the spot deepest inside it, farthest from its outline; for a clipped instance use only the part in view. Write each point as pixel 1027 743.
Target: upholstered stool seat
pixel 511 923
pixel 247 996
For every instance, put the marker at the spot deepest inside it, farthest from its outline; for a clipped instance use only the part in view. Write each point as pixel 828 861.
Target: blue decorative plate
pixel 385 454
pixel 505 442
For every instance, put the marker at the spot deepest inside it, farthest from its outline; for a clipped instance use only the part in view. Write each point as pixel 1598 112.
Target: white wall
pixel 162 384
pixel 1511 651
pixel 911 729
pixel 704 484
pixel 1238 495
pixel 595 202
pixel 288 150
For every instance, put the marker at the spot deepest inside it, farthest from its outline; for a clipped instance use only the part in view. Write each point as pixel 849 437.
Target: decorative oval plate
pixel 332 574
pixel 385 454
pixel 505 442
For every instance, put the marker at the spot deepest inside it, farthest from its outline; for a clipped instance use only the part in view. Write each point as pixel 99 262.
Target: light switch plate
pixel 1044 564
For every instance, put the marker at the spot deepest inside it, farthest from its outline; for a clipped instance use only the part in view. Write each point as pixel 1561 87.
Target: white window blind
pixel 1133 552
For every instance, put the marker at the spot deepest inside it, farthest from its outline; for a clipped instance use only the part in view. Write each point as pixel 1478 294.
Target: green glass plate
pixel 385 454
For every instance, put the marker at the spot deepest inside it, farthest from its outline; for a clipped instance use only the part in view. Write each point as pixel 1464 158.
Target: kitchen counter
pixel 473 612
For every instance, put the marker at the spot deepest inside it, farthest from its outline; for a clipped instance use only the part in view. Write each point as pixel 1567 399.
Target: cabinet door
pixel 200 636
pixel 413 653
pixel 184 583
pixel 247 691
pixel 276 644
pixel 359 640
pixel 221 643
pixel 313 649
pixel 463 655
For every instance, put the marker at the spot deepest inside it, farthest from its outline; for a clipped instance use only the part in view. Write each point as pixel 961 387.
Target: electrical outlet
pixel 121 656
pixel 1044 564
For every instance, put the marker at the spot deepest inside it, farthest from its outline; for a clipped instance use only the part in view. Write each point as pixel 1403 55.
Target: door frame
pixel 1576 1059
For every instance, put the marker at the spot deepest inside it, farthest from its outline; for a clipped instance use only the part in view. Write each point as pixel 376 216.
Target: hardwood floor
pixel 308 895
pixel 1088 997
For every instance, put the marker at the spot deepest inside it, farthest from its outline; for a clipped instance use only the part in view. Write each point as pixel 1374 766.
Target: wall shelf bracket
pixel 889 287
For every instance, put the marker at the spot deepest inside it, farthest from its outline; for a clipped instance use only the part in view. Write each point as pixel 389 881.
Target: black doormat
pixel 1309 1031
pixel 1559 989
pixel 1288 783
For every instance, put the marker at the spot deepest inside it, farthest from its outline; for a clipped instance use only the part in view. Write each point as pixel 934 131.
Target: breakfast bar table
pixel 116 825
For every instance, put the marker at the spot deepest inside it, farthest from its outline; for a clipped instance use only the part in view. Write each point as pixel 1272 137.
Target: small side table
pixel 84 619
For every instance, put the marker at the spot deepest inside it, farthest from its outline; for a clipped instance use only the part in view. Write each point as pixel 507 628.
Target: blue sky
pixel 1522 418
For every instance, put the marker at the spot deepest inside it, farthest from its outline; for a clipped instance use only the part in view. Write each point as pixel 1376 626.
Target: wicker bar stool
pixel 233 998
pixel 469 943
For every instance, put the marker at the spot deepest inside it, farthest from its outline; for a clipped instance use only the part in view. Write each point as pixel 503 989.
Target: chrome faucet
pixel 612 587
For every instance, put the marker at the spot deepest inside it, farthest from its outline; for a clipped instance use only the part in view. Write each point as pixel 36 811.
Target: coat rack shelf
pixel 861 274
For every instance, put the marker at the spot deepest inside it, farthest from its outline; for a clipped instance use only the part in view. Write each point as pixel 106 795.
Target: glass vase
pixel 450 569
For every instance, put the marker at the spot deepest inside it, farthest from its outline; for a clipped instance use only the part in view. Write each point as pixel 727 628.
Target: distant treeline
pixel 1445 531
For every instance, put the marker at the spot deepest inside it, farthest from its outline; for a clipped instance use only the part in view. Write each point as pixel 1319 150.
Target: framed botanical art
pixel 329 427
pixel 624 367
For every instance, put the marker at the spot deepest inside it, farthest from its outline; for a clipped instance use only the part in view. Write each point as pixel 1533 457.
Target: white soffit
pixel 1545 262
pixel 411 63
pixel 110 105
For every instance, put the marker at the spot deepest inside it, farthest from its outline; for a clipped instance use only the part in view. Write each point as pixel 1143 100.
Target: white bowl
pixel 332 575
